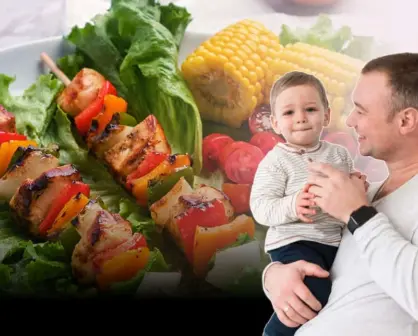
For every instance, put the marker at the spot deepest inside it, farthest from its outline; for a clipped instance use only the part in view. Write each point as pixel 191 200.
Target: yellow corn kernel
pixel 230 82
pixel 341 60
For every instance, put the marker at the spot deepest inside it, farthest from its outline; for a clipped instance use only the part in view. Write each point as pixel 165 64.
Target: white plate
pixel 23 62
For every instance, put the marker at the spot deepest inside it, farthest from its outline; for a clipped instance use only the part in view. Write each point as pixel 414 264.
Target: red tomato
pixel 265 140
pixel 241 164
pixel 343 139
pixel 227 150
pixel 259 120
pixel 211 148
pixel 239 194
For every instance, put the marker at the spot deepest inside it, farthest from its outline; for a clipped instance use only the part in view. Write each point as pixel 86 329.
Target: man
pixel 375 273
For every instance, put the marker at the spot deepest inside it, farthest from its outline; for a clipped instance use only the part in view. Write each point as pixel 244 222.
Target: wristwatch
pixel 360 216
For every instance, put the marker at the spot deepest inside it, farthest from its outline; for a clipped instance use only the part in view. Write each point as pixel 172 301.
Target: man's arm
pixel 392 260
pixel 268 204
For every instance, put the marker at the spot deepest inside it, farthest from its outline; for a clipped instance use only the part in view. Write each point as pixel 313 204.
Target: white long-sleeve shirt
pixel 280 176
pixel 375 273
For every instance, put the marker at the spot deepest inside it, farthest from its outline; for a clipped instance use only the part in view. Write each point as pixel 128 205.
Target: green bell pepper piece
pixel 127 119
pixel 161 186
pixel 69 237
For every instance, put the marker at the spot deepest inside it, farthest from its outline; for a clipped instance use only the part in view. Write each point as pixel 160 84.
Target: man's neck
pixel 400 172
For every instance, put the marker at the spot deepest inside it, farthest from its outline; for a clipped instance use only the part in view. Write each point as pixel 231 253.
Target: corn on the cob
pixel 336 71
pixel 227 73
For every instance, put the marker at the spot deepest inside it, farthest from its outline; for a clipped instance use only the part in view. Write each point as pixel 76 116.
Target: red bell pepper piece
pixel 205 214
pixel 6 136
pixel 151 161
pixel 83 120
pixel 71 189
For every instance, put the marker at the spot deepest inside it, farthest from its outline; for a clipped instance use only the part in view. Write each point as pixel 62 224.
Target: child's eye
pixel 311 109
pixel 288 112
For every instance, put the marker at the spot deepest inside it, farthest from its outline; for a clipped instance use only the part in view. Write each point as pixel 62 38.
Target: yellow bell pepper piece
pixel 166 167
pixel 4 154
pixel 7 150
pixel 71 209
pixel 209 239
pixel 122 267
pixel 112 105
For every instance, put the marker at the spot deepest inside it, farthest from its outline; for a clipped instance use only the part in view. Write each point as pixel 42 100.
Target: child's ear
pixel 275 124
pixel 327 118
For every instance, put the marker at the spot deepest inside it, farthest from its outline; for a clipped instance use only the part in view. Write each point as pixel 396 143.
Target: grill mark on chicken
pixel 32 189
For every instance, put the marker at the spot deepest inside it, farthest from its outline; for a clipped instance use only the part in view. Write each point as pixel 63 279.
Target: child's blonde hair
pixel 296 78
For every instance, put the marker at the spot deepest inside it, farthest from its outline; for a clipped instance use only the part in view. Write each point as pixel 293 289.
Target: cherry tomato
pixel 343 139
pixel 239 194
pixel 227 150
pixel 266 140
pixel 212 146
pixel 241 164
pixel 259 120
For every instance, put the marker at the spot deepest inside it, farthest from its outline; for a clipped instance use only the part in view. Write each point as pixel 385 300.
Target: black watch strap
pixel 360 216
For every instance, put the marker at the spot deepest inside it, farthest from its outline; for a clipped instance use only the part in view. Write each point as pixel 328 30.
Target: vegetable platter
pixel 126 171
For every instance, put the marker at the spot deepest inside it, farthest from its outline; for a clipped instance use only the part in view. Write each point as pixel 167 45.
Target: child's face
pixel 299 115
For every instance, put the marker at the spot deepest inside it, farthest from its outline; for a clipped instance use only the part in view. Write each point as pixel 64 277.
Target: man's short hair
pixel 402 72
pixel 296 78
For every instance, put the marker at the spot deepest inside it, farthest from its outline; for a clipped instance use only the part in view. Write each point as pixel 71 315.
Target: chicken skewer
pixel 200 220
pixel 51 202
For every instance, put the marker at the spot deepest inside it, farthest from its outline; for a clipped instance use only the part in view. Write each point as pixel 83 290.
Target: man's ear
pixel 327 118
pixel 275 124
pixel 407 120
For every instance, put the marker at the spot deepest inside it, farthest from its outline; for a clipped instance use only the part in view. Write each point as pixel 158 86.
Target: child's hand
pixel 362 177
pixel 303 203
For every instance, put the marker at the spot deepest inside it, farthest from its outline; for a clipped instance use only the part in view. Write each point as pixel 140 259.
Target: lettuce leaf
pixel 322 33
pixel 175 19
pixel 135 46
pixel 34 109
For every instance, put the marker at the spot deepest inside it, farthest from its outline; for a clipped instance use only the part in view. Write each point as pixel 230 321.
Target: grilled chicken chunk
pixel 125 156
pixel 101 229
pixel 169 206
pixel 32 200
pixel 112 134
pixel 100 232
pixel 207 193
pixel 82 263
pixel 81 92
pixel 7 121
pixel 30 165
pixel 182 197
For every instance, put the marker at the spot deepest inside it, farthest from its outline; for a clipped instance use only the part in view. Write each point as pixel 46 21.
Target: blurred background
pixel 24 21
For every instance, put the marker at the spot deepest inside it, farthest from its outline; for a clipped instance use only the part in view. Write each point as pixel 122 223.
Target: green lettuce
pixel 323 34
pixel 35 108
pixel 30 268
pixel 135 46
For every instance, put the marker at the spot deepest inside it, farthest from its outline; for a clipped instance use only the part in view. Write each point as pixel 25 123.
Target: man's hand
pixel 304 201
pixel 292 301
pixel 335 192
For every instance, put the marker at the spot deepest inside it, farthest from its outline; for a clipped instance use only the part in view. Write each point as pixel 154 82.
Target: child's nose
pixel 301 118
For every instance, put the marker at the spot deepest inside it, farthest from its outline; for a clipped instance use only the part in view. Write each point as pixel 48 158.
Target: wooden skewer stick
pixel 54 68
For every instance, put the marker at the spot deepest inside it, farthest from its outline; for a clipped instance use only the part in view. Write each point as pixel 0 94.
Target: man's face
pixel 377 134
